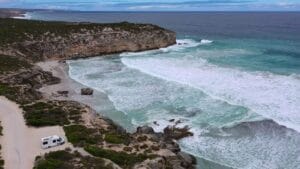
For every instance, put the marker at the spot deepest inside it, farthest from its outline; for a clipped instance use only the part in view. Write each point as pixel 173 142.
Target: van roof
pixel 50 137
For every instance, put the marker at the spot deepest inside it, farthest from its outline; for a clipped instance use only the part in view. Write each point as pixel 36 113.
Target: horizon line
pixel 166 11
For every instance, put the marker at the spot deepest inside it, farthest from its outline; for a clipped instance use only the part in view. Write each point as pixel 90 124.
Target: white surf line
pixel 20 143
pixel 162 75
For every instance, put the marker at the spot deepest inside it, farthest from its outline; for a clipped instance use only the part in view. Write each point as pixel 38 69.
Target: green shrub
pixel 115 138
pixel 45 114
pixel 121 158
pixel 80 135
pixel 9 63
pixel 67 160
pixel 50 164
pixel 9 92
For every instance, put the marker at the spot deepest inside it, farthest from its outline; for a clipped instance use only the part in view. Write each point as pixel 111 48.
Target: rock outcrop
pixel 145 130
pixel 177 133
pixel 87 91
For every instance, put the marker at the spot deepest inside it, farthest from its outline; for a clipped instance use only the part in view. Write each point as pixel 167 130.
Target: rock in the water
pixel 173 132
pixel 87 91
pixel 172 120
pixel 187 158
pixel 176 162
pixel 145 130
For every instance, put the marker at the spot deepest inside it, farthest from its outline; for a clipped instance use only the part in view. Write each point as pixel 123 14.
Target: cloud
pixel 154 5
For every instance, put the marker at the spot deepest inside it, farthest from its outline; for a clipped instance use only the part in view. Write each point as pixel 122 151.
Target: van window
pixel 54 141
pixel 45 142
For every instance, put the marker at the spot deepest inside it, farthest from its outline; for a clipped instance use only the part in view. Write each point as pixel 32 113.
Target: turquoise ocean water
pixel 234 78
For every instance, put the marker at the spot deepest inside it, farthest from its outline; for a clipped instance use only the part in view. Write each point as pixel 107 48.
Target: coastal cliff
pixel 39 40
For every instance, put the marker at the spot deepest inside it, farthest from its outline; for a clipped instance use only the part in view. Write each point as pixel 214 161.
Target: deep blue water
pixel 235 81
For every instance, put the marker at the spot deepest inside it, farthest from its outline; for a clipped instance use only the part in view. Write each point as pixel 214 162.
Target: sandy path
pixel 20 143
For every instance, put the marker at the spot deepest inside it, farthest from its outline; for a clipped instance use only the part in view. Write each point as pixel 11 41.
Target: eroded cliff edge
pixel 40 40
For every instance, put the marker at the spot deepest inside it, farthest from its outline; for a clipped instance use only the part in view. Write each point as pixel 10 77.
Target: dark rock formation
pixel 145 130
pixel 87 91
pixel 175 162
pixel 156 163
pixel 63 93
pixel 174 132
pixel 187 158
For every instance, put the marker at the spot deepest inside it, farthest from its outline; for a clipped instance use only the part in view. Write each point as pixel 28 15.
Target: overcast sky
pixel 156 5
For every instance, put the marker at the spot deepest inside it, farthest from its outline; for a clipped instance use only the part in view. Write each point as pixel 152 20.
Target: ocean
pixel 233 77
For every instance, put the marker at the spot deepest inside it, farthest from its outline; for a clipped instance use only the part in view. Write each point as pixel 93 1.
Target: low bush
pixel 9 92
pixel 121 158
pixel 80 135
pixel 116 138
pixel 68 160
pixel 45 114
pixel 9 64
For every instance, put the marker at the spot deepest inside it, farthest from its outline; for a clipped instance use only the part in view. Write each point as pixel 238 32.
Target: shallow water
pixel 236 83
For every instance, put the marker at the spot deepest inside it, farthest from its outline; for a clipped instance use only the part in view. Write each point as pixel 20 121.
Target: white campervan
pixel 52 141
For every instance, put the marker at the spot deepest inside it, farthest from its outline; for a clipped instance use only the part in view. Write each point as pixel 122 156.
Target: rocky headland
pixel 10 13
pixel 104 144
pixel 38 40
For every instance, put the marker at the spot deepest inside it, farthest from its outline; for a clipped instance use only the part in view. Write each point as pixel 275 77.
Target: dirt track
pixel 21 144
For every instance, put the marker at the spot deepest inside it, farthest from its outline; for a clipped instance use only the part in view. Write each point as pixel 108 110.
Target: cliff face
pixel 57 40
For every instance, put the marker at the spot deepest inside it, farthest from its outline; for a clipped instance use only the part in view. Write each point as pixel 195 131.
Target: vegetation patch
pixel 68 160
pixel 10 64
pixel 80 135
pixel 116 138
pixel 121 158
pixel 45 114
pixel 17 30
pixel 9 92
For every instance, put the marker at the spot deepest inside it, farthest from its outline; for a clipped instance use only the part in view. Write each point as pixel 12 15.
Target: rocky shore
pixel 48 100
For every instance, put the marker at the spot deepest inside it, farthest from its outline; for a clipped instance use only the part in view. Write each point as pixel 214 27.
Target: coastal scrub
pixel 68 160
pixel 121 158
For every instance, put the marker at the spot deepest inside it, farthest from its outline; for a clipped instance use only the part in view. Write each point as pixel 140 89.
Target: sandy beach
pixel 60 70
pixel 20 143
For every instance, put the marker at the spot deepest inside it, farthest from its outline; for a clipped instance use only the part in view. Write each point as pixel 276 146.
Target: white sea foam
pixel 205 41
pixel 273 96
pixel 137 94
pixel 25 16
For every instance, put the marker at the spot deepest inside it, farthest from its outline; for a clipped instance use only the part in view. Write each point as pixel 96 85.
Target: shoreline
pixel 60 69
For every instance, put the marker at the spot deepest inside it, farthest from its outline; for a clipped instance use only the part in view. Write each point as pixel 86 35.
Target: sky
pixel 156 5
